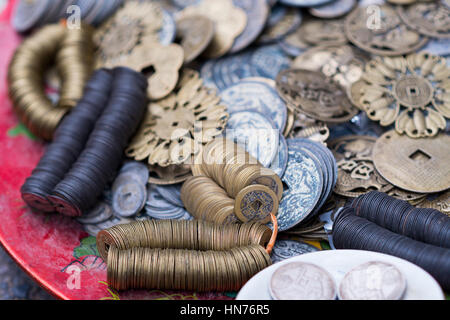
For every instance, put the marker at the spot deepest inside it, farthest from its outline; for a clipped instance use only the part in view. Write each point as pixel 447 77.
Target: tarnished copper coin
pixel 194 33
pixel 343 63
pixel 418 165
pixel 379 30
pixel 315 95
pixel 429 18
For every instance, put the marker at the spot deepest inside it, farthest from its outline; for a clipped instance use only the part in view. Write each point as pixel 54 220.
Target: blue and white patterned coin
pixel 267 61
pixel 230 69
pixel 257 12
pixel 279 164
pixel 206 73
pixel 327 162
pixel 254 132
pixel 252 95
pixel 285 249
pixel 185 3
pixel 304 3
pixel 440 47
pixel 291 49
pixel 305 183
pixel 168 30
pixel 334 9
pixel 171 193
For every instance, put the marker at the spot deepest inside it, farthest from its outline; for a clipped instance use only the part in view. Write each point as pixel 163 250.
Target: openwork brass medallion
pixel 169 175
pixel 417 165
pixel 195 34
pixel 430 18
pixel 315 95
pixel 229 22
pixel 342 63
pixel 175 127
pixel 136 23
pixel 387 36
pixel 356 171
pixel 318 32
pixel 306 127
pixel 413 92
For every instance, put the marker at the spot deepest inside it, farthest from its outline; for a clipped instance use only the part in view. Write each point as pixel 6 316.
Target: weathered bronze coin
pixel 315 95
pixel 381 31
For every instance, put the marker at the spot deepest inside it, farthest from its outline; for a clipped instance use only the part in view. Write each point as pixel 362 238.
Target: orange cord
pixel 274 234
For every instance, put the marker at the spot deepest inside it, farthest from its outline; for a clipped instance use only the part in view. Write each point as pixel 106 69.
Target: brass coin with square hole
pixel 418 165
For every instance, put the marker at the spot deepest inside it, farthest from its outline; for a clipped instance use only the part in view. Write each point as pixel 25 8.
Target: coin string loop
pixel 72 53
pixel 353 232
pixel 184 255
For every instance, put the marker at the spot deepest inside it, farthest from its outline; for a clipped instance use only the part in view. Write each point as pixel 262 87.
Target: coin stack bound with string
pixel 183 255
pixel 230 185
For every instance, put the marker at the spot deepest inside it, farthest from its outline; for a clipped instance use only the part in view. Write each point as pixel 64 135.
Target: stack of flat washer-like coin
pixel 53 43
pixel 189 255
pixel 103 153
pixel 89 145
pixel 353 232
pixel 68 143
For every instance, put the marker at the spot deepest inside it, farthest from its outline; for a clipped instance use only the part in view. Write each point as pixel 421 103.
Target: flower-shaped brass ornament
pixel 413 92
pixel 176 127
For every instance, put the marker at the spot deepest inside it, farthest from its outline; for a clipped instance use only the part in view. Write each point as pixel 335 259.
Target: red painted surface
pixel 43 244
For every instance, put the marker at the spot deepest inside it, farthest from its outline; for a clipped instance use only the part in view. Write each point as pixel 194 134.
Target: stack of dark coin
pixel 95 166
pixel 353 232
pixel 69 141
pixel 422 224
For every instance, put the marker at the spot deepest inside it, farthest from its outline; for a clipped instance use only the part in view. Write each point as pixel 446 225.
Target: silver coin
pixel 256 96
pixel 374 280
pixel 93 229
pixel 279 164
pixel 285 249
pixel 302 281
pixel 137 167
pixel 129 198
pixel 334 9
pixel 101 212
pixel 255 133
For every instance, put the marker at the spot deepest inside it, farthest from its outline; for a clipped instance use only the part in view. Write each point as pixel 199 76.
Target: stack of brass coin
pixel 206 200
pixel 75 60
pixel 233 168
pixel 181 234
pixel 72 51
pixel 178 269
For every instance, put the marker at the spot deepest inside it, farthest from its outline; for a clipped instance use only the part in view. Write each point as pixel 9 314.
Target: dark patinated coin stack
pixel 95 166
pixel 353 232
pixel 422 224
pixel 69 141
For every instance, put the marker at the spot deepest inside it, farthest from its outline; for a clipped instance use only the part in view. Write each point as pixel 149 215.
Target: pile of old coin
pixel 168 254
pixel 71 52
pixel 323 101
pixel 29 15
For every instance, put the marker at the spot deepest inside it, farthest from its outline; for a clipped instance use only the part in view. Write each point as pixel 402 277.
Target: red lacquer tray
pixel 52 249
